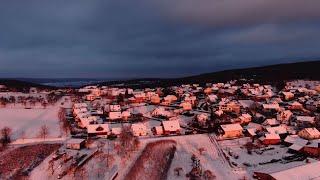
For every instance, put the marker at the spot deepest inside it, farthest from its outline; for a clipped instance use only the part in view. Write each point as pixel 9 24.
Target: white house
pixel 115 115
pixel 101 130
pixel 160 111
pixel 125 115
pixel 245 118
pixel 186 106
pixel 75 144
pixel 171 127
pixel 284 116
pixel 139 129
pixel 274 106
pixel 232 130
pixel 309 133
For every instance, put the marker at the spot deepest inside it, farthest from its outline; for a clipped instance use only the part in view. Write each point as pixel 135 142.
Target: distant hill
pixel 18 84
pixel 272 74
pixel 267 74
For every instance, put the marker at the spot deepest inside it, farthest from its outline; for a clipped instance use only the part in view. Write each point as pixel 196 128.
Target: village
pixel 232 130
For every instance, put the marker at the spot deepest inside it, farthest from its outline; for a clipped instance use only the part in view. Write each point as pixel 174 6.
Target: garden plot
pixel 258 160
pixel 26 123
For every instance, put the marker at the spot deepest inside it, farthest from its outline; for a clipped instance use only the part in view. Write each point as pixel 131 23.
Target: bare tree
pixel 43 132
pixel 22 135
pixel 80 174
pixel 177 171
pixel 6 135
pixel 127 142
pixel 201 150
pixel 64 123
pixel 208 175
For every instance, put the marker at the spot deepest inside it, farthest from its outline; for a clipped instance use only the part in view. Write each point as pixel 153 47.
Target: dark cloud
pixel 151 38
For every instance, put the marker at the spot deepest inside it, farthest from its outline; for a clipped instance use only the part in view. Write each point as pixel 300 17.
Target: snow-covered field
pixel 29 121
pixel 210 160
pixel 277 152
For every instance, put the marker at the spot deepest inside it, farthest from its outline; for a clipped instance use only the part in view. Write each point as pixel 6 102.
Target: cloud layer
pixel 151 38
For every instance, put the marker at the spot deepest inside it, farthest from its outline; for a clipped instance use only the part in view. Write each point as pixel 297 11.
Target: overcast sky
pixel 153 38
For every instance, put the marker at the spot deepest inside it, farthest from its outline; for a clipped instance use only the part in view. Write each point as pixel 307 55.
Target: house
pixel 245 118
pixel 212 98
pixel 116 131
pixel 271 122
pixel 115 115
pixel 80 105
pixel 3 88
pixel 170 98
pixel 271 107
pixel 139 129
pixel 312 148
pixel 191 99
pixel 252 128
pixel 186 106
pixel 296 106
pixel 114 108
pixel 155 99
pixel 33 90
pixel 303 172
pixel 218 113
pixel 158 130
pixel 284 116
pixel 171 127
pixel 75 144
pixel 125 115
pixel 271 139
pixel 232 130
pixel 288 95
pixel 160 111
pixel 230 107
pixel 101 130
pixel 202 118
pixel 208 90
pixel 294 139
pixel 91 97
pixel 309 133
pixel 281 130
pixel 305 121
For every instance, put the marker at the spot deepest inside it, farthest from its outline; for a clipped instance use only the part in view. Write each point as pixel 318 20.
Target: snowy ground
pixel 278 152
pixel 189 145
pixel 29 121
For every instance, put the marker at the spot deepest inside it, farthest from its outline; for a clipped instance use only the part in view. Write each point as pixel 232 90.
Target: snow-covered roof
pixel 271 122
pixel 314 143
pixel 98 128
pixel 296 147
pixel 306 119
pixel 295 139
pixel 252 131
pixel 171 125
pixel 116 130
pixel 231 127
pixel 272 136
pixel 138 127
pixel 75 141
pixel 80 105
pixel 304 172
pixel 312 131
pixel 246 115
pixel 277 130
pixel 271 106
pixel 296 103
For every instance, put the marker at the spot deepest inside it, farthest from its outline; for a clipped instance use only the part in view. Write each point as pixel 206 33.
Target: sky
pixel 124 39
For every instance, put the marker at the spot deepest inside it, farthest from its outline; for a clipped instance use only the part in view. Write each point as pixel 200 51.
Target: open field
pixel 154 161
pixel 259 158
pixel 27 122
pixel 19 162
